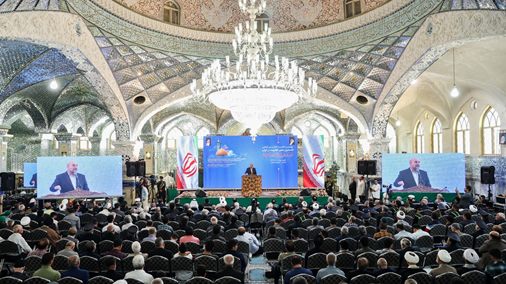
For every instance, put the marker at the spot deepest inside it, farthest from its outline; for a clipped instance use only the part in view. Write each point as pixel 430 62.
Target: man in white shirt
pixel 139 273
pixel 270 213
pixel 331 269
pixel 110 222
pixel 254 245
pixel 401 233
pixel 17 238
pixel 417 232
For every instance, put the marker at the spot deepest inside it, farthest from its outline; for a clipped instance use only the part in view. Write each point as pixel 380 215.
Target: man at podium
pixel 251 171
pixel 412 176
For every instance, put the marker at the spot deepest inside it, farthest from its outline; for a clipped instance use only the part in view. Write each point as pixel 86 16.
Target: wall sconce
pixel 351 154
pixel 147 156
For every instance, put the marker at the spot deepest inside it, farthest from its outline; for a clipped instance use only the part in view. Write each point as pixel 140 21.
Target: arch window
pixel 392 135
pixel 462 132
pixel 325 133
pixel 437 136
pixel 172 13
pixel 352 8
pixel 203 132
pixel 419 142
pixel 491 124
pixel 262 22
pixel 172 135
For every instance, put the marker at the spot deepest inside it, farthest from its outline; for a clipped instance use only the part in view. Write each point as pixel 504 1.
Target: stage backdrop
pixel 187 163
pixel 97 176
pixel 314 162
pixel 30 174
pixel 227 157
pixel 436 170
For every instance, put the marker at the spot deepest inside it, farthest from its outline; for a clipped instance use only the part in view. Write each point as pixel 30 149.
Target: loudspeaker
pixel 8 181
pixel 136 168
pixel 200 193
pixel 366 167
pixel 130 168
pixel 305 192
pixel 141 169
pixel 487 175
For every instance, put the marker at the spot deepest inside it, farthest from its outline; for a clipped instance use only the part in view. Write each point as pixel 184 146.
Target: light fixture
pixel 398 122
pixel 351 153
pixel 454 92
pixel 53 85
pixel 413 82
pixel 253 87
pixel 148 155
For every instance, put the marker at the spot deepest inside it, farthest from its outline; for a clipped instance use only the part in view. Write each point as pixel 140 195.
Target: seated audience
pixel 362 264
pixel 110 265
pixel 232 249
pixel 75 271
pixel 331 268
pixel 494 242
pixel 229 270
pixel 189 237
pixel 17 238
pixel 496 265
pixel 382 267
pixel 443 259
pixel 40 248
pixel 471 258
pixel 255 247
pixel 151 235
pixel 45 270
pixel 297 269
pixel 139 273
pixel 69 250
pixel 18 270
pixel 383 232
pixel 401 233
pixel 364 246
pixel 412 260
pixel 116 251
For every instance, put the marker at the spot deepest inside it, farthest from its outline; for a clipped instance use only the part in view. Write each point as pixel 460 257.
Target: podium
pixel 251 186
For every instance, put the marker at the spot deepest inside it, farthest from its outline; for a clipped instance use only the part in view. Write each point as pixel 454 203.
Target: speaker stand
pixel 489 193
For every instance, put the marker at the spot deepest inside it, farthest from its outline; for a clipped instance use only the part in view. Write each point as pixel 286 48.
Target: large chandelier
pixel 253 88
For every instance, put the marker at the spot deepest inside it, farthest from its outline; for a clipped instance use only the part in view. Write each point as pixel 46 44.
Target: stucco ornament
pixel 216 15
pixel 131 2
pixel 307 13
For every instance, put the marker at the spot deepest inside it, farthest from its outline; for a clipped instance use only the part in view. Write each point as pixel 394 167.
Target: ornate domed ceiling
pixel 223 15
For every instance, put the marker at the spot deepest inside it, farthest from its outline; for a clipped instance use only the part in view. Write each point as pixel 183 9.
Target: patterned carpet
pixel 256 271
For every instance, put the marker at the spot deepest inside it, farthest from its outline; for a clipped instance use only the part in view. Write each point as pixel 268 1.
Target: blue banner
pixel 226 159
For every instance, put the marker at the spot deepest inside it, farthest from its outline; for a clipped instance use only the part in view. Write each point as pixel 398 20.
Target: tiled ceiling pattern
pixel 473 4
pixel 140 70
pixel 26 70
pixel 26 5
pixel 345 73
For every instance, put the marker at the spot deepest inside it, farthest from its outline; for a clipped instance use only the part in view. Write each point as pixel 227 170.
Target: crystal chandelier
pixel 253 88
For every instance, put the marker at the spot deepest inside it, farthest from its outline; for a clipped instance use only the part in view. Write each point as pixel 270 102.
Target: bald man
pixel 69 180
pixel 412 176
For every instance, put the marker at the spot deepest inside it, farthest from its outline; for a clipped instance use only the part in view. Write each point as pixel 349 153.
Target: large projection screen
pixel 90 177
pixel 437 171
pixel 227 157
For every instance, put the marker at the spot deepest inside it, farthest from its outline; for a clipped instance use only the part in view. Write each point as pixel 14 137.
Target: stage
pixel 292 197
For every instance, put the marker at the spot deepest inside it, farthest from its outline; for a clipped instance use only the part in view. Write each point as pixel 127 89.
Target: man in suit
pixel 229 269
pixel 251 170
pixel 412 176
pixel 69 180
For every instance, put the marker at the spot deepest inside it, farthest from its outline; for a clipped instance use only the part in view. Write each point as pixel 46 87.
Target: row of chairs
pixel 471 277
pixel 220 247
pixel 157 264
pixel 105 280
pixel 347 261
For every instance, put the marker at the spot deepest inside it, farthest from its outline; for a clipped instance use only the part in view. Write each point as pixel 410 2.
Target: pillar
pixel 149 150
pixel 351 147
pixel 126 149
pixel 95 145
pixel 378 147
pixel 4 140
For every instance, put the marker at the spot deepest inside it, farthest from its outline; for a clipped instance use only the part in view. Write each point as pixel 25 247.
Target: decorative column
pixel 95 145
pixel 46 143
pixel 4 140
pixel 351 147
pixel 149 146
pixel 64 142
pixel 378 146
pixel 127 150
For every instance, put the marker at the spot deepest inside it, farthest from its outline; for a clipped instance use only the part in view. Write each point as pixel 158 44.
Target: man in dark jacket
pixel 75 271
pixel 160 249
pixel 229 270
